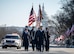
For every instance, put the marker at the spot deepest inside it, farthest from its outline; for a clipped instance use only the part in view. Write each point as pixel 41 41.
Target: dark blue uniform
pixel 32 34
pixel 25 38
pixel 47 42
pixel 39 36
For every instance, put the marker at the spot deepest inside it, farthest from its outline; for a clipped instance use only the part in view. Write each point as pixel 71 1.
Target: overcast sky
pixel 16 12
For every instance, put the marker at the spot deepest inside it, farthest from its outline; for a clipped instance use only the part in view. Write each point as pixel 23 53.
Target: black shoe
pixel 33 49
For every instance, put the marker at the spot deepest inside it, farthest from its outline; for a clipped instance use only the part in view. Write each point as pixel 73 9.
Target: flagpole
pixel 39 18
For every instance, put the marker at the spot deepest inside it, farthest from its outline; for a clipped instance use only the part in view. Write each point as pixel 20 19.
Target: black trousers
pixel 47 45
pixel 26 45
pixel 33 44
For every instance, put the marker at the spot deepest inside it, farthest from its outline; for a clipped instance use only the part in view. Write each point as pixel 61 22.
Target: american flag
pixel 72 28
pixel 31 17
pixel 39 18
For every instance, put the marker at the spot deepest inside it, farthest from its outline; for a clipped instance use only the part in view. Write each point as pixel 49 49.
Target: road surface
pixel 51 51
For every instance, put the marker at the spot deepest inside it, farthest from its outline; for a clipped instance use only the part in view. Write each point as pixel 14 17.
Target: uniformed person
pixel 47 41
pixel 26 27
pixel 32 34
pixel 39 39
pixel 25 37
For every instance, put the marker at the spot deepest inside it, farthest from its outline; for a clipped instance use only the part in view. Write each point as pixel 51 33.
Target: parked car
pixel 11 40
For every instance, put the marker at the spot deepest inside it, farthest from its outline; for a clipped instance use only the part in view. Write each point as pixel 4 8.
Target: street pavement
pixel 53 50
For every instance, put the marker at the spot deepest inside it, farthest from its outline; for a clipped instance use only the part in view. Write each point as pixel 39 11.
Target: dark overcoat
pixel 25 38
pixel 39 36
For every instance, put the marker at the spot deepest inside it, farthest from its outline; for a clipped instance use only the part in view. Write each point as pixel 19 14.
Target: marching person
pixel 47 41
pixel 39 37
pixel 32 34
pixel 25 37
pixel 26 27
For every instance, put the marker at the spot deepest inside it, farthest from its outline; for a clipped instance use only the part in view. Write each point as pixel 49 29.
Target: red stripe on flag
pixel 31 17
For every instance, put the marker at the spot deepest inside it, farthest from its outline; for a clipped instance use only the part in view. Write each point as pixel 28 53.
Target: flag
pixel 32 17
pixel 67 32
pixel 72 29
pixel 39 18
pixel 62 37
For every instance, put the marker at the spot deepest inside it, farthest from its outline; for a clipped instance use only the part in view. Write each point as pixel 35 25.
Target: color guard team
pixel 40 39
